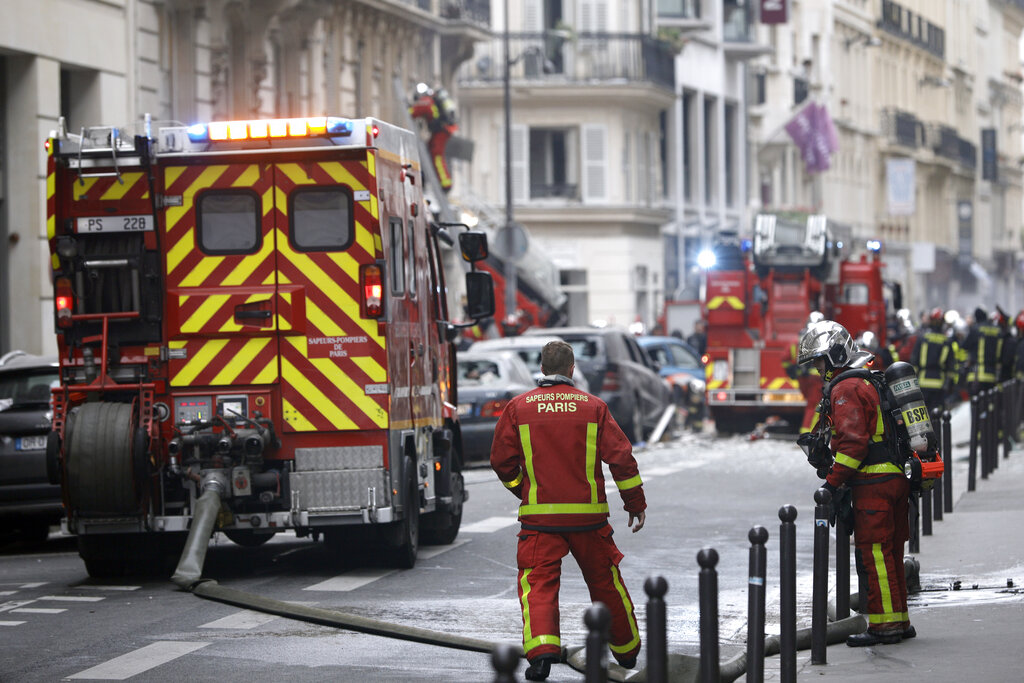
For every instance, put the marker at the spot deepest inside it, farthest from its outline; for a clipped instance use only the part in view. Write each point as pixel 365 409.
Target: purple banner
pixel 774 11
pixel 815 136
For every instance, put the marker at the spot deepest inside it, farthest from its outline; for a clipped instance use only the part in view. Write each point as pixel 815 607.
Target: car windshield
pixel 586 348
pixel 479 372
pixel 27 388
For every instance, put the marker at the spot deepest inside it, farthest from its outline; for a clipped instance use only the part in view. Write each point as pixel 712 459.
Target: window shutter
pixel 627 166
pixel 520 163
pixel 532 22
pixel 593 16
pixel 595 162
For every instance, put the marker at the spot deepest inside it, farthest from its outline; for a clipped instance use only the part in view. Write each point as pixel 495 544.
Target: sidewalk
pixel 971 634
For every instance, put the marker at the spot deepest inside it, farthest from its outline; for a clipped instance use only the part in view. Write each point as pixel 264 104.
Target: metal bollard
pixel 913 515
pixel 819 602
pixel 926 513
pixel 842 570
pixel 972 461
pixel 990 428
pixel 755 604
pixel 997 423
pixel 937 490
pixel 983 433
pixel 597 618
pixel 657 637
pixel 505 660
pixel 1006 421
pixel 947 450
pixel 707 558
pixel 787 594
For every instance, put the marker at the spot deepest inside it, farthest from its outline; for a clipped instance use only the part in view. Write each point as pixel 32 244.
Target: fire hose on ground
pixel 188 576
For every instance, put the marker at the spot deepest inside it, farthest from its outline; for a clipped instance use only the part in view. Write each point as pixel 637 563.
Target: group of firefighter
pixel 955 357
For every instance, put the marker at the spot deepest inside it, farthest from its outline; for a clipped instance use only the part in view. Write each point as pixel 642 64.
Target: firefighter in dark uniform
pixel 807 378
pixel 984 347
pixel 437 109
pixel 934 356
pixel 548 448
pixel 1007 355
pixel 864 461
pixel 1018 361
pixel 885 354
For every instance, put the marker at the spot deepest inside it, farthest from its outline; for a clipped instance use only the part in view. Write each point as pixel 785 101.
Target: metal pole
pixel 510 267
pixel 842 569
pixel 943 453
pixel 657 640
pixel 819 589
pixel 504 659
pixel 707 587
pixel 972 461
pixel 787 594
pixel 947 476
pixel 755 604
pixel 597 618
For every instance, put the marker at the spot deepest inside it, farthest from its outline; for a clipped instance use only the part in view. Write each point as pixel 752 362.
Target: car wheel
pixel 636 427
pixel 34 532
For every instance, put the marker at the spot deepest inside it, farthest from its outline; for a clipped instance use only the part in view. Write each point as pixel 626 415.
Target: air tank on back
pixel 917 424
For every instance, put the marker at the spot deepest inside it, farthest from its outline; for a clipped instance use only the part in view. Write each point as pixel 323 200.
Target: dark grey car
pixel 620 374
pixel 29 503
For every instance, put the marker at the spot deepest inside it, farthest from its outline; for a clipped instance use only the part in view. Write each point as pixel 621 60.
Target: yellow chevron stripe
pixel 80 189
pixel 347 263
pixel 353 391
pixel 51 218
pixel 296 173
pixel 244 270
pixel 182 248
pixel 171 174
pixel 776 383
pixel 371 167
pixel 378 249
pixel 296 419
pixel 715 384
pixel 365 238
pixel 335 293
pixel 207 309
pixel 241 361
pixel 249 177
pixel 341 175
pixel 372 368
pixel 201 271
pixel 311 393
pixel 323 322
pixel 198 362
pixel 736 303
pixel 282 324
pixel 268 375
pixel 118 190
pixel 268 201
pixel 207 178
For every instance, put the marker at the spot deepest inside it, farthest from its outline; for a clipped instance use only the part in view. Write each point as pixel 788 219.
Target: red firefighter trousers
pixel 540 567
pixel 880 529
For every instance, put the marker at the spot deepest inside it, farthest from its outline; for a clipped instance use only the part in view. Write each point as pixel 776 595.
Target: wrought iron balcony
pixel 476 11
pixel 582 57
pixel 968 154
pixel 901 127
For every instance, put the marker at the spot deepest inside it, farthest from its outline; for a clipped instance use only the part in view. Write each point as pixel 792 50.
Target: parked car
pixel 528 348
pixel 681 365
pixel 620 374
pixel 487 381
pixel 29 503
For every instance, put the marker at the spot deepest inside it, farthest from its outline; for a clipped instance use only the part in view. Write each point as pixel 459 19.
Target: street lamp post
pixel 510 266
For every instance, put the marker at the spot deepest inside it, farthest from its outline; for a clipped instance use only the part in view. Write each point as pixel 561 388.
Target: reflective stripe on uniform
pixel 515 482
pixel 563 508
pixel 843 459
pixel 628 605
pixel 882 468
pixel 524 439
pixel 883 587
pixel 630 483
pixel 591 459
pixel 529 640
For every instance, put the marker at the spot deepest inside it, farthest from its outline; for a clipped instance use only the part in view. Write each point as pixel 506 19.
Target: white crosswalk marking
pixel 14 604
pixel 486 526
pixel 350 581
pixel 109 588
pixel 8 592
pixel 11 623
pixel 33 585
pixel 434 551
pixel 137 661
pixel 72 598
pixel 244 619
pixel 40 610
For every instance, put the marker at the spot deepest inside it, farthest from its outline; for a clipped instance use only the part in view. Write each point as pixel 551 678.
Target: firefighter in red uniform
pixel 438 110
pixel 548 447
pixel 863 460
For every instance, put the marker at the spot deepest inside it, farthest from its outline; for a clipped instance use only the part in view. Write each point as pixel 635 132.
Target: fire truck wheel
pixel 441 527
pixel 99 460
pixel 401 539
pixel 248 538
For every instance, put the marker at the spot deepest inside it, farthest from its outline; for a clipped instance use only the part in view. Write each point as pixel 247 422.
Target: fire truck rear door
pixel 219 246
pixel 333 361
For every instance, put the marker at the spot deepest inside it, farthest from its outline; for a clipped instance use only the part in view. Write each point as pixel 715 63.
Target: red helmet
pixel 999 319
pixel 935 315
pixel 1019 322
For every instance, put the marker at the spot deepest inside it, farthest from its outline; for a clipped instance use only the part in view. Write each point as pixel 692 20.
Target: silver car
pixel 528 348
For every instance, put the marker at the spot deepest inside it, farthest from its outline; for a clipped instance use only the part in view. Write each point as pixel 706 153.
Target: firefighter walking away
pixel 865 465
pixel 548 448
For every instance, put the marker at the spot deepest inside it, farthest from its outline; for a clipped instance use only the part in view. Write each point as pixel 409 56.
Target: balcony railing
pixel 944 141
pixel 968 156
pixel 476 11
pixel 901 127
pixel 584 57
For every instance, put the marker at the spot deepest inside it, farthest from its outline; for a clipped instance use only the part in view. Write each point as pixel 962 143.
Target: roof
pixel 27 361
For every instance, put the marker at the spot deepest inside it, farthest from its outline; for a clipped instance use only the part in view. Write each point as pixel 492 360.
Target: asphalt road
pixel 58 624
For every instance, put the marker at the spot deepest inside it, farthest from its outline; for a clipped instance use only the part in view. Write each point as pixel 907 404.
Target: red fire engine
pixel 258 308
pixel 757 302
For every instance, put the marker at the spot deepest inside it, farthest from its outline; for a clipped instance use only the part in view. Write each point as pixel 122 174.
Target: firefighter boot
pixel 540 667
pixel 870 637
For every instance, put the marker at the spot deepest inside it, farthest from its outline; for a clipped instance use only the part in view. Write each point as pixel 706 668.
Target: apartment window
pixel 730 150
pixel 553 168
pixel 801 89
pixel 710 130
pixel 663 150
pixel 679 9
pixel 687 152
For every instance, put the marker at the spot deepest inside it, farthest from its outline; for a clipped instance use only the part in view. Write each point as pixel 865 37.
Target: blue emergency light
pixel 264 129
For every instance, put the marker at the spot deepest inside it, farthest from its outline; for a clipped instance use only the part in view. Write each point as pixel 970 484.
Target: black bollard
pixel 787 594
pixel 505 660
pixel 937 490
pixel 947 450
pixel 755 604
pixel 707 558
pixel 983 433
pixel 819 602
pixel 926 513
pixel 1007 392
pixel 657 636
pixel 997 424
pixel 972 461
pixel 842 569
pixel 913 515
pixel 597 618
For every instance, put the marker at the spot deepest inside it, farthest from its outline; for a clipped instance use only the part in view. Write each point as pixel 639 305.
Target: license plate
pixel 139 223
pixel 30 443
pixel 465 409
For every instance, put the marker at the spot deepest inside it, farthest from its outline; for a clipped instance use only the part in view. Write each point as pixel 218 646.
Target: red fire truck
pixel 257 307
pixel 757 301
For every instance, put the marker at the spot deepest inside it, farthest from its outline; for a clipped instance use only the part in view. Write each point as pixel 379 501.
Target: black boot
pixel 909 632
pixel 870 637
pixel 540 667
